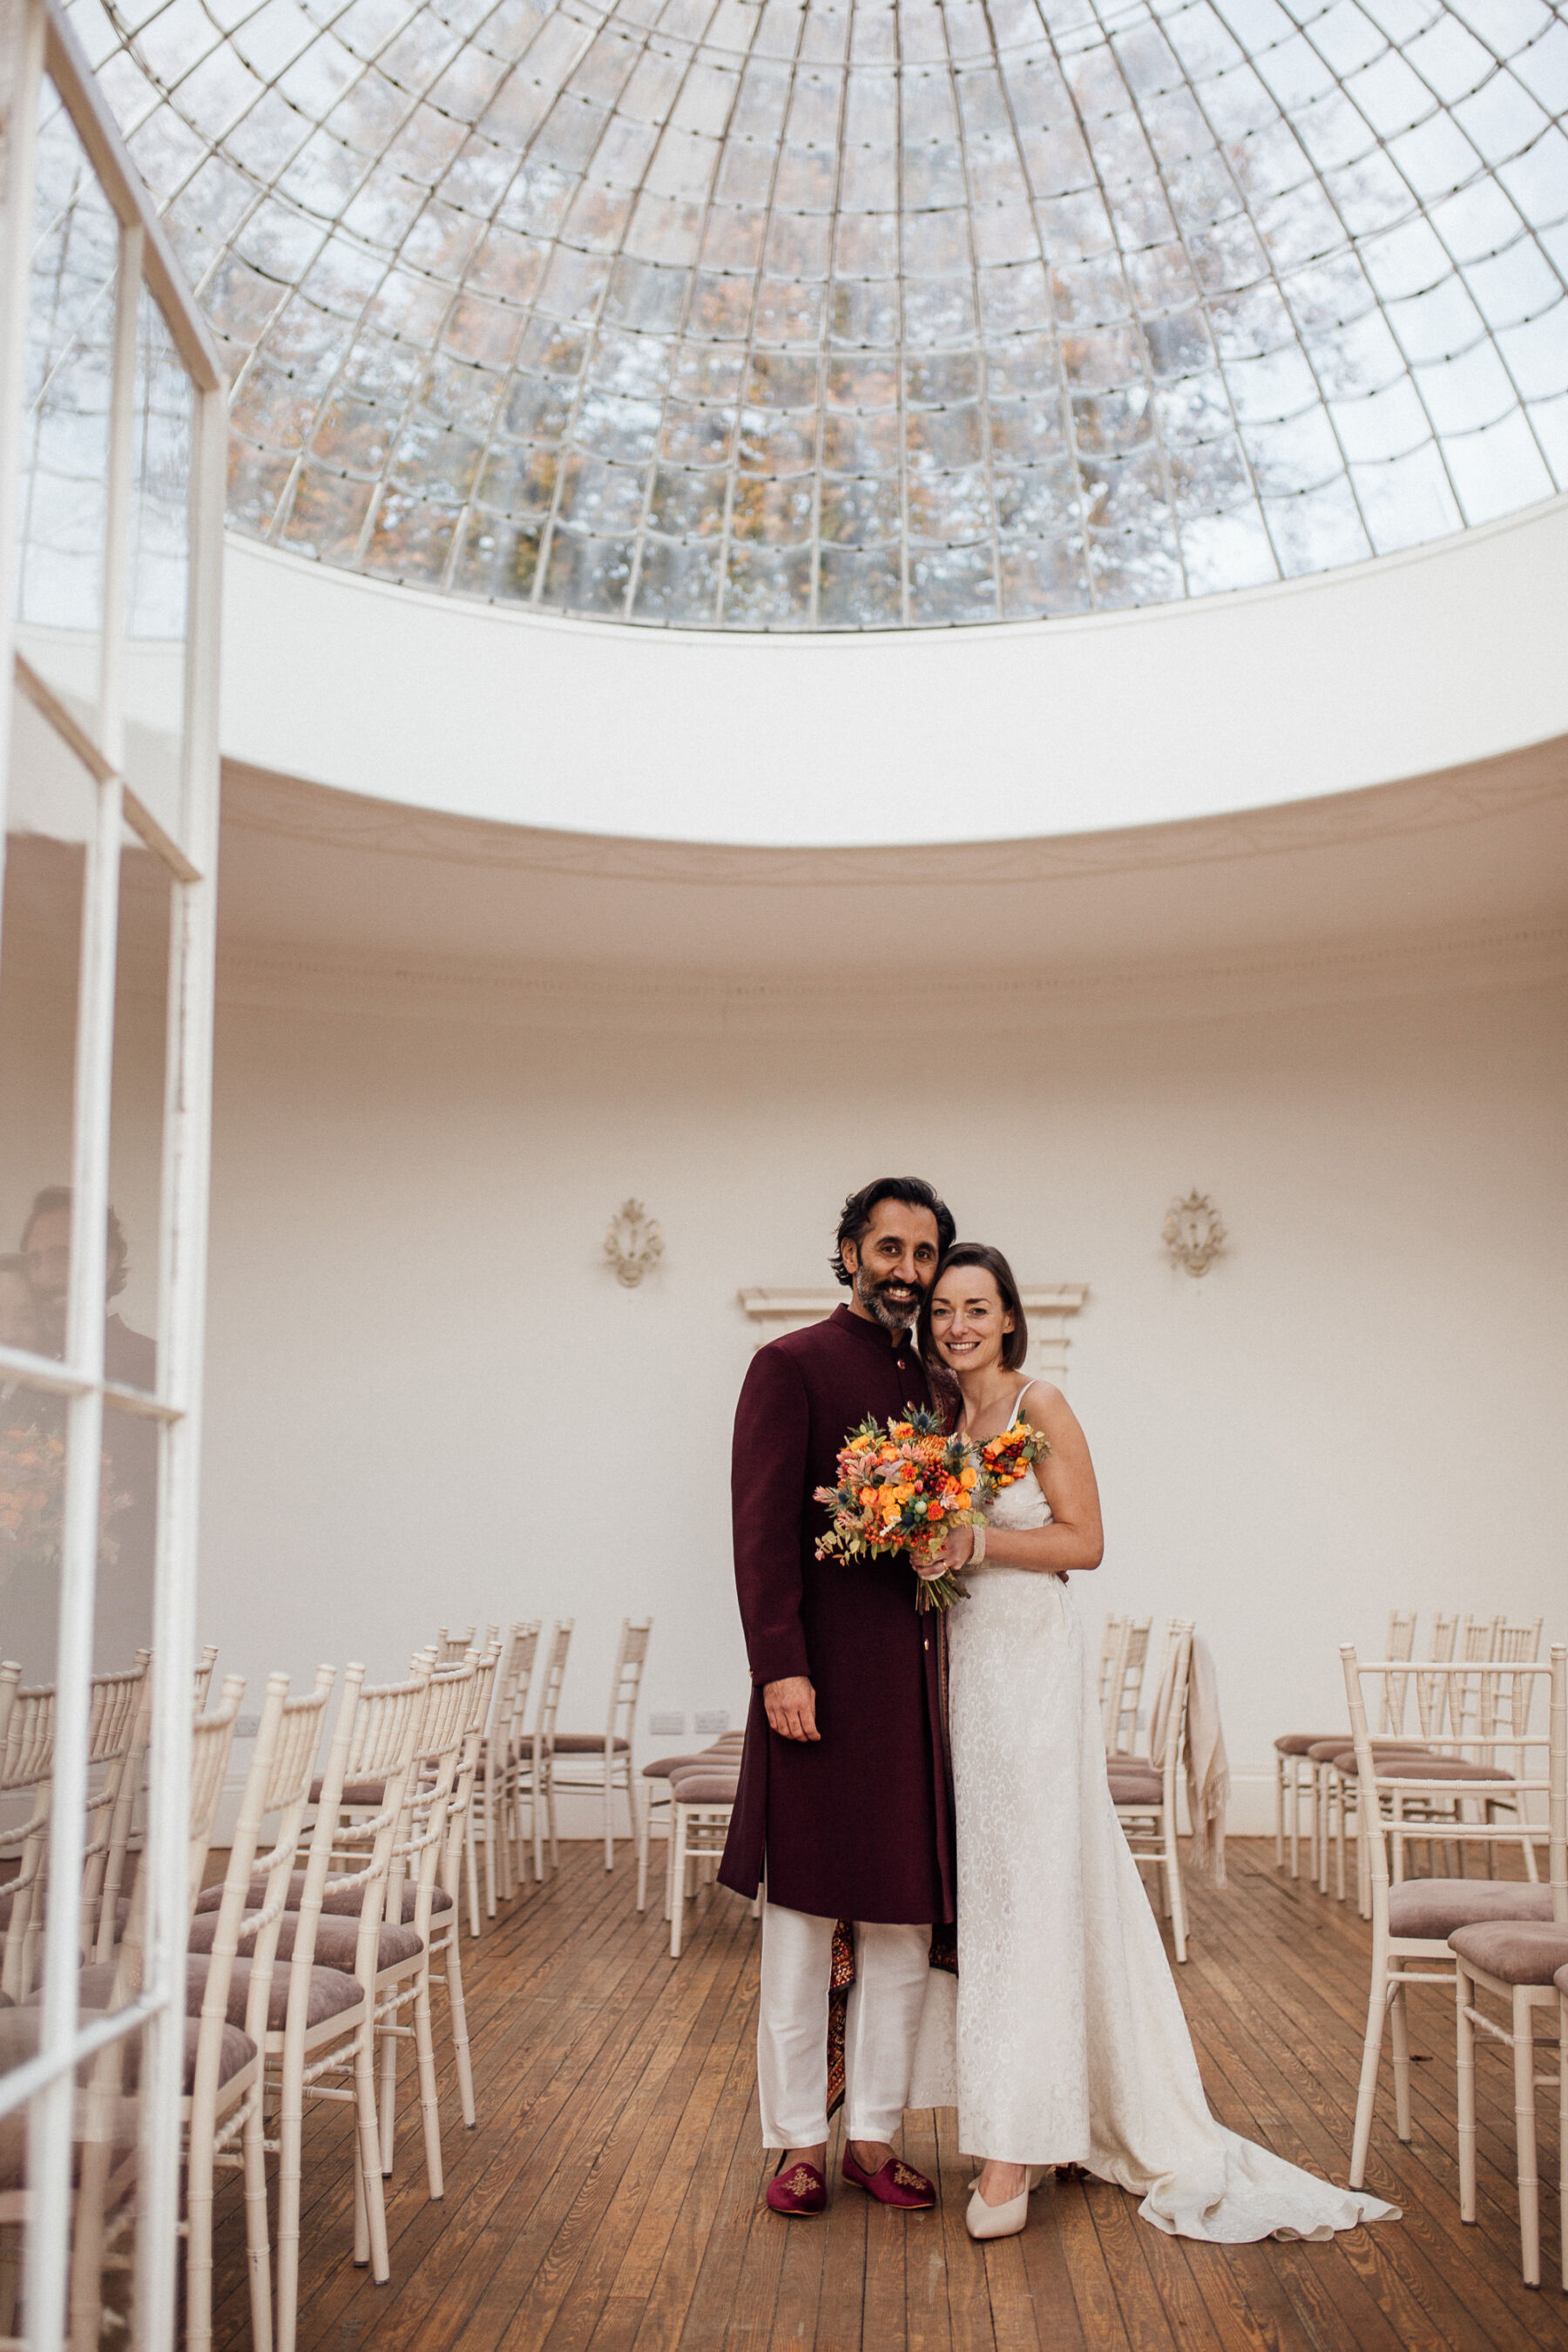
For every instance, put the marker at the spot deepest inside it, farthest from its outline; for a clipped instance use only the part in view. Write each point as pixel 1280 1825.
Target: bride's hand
pixel 954 1555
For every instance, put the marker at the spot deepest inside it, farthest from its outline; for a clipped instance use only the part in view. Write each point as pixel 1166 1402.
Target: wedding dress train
pixel 1063 2039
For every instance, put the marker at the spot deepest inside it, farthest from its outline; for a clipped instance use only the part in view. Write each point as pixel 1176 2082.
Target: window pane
pixel 62 516
pixel 160 570
pixel 32 1519
pixel 105 2162
pixel 51 817
pixel 127 1539
pixel 136 1125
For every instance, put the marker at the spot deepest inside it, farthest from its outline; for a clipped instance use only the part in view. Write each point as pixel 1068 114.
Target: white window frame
pixel 35 41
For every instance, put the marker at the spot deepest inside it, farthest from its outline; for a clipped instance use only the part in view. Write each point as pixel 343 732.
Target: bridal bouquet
pixel 901 1489
pixel 906 1488
pixel 1009 1455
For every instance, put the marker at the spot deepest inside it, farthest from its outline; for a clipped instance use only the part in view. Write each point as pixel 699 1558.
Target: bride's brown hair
pixel 1015 1343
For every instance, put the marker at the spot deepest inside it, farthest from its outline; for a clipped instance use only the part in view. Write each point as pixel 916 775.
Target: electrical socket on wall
pixel 246 1726
pixel 666 1727
pixel 711 1718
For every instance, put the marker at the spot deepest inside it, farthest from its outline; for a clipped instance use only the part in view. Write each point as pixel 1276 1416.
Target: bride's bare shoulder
pixel 1045 1408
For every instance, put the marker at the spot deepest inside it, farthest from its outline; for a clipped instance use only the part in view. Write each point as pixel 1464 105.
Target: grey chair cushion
pixel 729 1747
pixel 1339 1749
pixel 1439 1768
pixel 585 1743
pixel 1301 1743
pixel 337 1940
pixel 1561 1981
pixel 356 1792
pixel 1135 1784
pixel 1520 1951
pixel 704 1788
pixel 96 1989
pixel 1436 1906
pixel 330 1992
pixel 1385 1758
pixel 19 2041
pixel 345 1904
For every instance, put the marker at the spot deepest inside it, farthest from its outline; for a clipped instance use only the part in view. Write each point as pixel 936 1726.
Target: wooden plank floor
pixel 610 2199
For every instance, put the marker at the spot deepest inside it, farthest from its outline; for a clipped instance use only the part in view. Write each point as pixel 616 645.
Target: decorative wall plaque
pixel 1194 1235
pixel 634 1243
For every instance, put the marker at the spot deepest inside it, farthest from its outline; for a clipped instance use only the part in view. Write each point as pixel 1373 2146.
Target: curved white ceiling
pixel 1421 663
pixel 861 314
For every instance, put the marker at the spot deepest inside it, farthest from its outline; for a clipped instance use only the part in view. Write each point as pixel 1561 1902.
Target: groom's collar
pixel 873 1333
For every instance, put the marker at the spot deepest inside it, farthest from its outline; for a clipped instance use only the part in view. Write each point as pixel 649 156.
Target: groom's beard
pixel 875 1297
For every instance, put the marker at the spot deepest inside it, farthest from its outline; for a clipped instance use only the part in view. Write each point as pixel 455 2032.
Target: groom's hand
pixel 790 1704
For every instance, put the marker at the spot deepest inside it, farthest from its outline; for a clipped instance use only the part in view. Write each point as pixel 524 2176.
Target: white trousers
pixel 885 2004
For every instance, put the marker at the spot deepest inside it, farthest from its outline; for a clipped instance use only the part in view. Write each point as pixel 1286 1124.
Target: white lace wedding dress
pixel 1064 2039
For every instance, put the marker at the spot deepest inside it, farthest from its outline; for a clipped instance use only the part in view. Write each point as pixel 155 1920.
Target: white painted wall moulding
pixel 1049 1306
pixel 1399 667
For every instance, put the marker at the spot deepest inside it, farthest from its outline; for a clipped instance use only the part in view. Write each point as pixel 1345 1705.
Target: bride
pixel 1067 2042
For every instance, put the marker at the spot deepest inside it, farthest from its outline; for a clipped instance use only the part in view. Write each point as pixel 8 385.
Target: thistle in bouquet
pixel 903 1489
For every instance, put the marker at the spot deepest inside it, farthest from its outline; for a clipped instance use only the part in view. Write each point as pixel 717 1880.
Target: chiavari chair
pixel 493 1820
pixel 403 1981
pixel 1127 1687
pixel 107 2157
pixel 119 1723
pixel 659 1796
pixel 445 1939
pixel 1144 1789
pixel 1514 1961
pixel 1297 1779
pixel 1412 1917
pixel 702 1793
pixel 342 1934
pixel 233 1973
pixel 535 1750
pixel 604 1761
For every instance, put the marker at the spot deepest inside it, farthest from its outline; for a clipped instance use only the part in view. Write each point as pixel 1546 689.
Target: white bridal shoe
pixel 984 2221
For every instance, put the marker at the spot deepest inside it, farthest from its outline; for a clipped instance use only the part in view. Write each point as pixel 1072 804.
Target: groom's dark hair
pixel 859 1207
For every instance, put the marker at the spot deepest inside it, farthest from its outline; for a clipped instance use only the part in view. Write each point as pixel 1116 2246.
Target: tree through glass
pixel 864 315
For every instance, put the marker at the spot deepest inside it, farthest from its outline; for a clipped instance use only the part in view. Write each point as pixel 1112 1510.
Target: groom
pixel 844 1796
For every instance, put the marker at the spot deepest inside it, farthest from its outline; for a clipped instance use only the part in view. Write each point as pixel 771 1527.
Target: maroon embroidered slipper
pixel 897 2183
pixel 802 2189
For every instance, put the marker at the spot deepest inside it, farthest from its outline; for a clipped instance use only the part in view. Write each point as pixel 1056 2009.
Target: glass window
pixel 108 790
pixel 62 528
pixel 779 226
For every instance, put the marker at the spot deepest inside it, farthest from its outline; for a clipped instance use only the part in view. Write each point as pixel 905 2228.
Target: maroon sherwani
pixel 857 1825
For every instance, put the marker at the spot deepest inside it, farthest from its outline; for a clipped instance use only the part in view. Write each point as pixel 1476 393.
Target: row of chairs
pixel 521 1772
pixel 312 1959
pixel 1309 1772
pixel 314 1956
pixel 118 1718
pixel 698 1791
pixel 1502 1942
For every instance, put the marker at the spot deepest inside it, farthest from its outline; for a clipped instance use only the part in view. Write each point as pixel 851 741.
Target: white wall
pixel 1449 654
pixel 429 1402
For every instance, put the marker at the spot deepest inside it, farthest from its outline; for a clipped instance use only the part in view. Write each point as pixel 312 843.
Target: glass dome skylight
pixel 880 313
